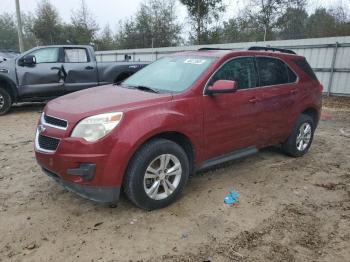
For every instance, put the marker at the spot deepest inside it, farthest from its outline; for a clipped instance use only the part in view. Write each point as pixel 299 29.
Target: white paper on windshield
pixel 194 61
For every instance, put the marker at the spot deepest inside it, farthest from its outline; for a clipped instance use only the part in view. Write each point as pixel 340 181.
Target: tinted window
pixel 292 77
pixel 75 55
pixel 46 55
pixel 241 70
pixel 273 71
pixel 304 65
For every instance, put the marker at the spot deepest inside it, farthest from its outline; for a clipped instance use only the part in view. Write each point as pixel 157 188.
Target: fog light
pixel 85 171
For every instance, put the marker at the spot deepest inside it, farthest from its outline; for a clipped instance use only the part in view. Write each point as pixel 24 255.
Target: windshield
pixel 170 74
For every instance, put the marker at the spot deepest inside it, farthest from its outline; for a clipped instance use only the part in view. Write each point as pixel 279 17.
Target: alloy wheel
pixel 304 136
pixel 2 101
pixel 162 177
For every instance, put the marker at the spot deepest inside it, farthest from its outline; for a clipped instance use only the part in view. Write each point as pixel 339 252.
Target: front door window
pixel 46 55
pixel 241 70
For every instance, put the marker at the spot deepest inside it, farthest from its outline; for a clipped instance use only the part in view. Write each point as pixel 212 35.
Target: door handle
pixel 55 68
pixel 293 91
pixel 89 68
pixel 253 100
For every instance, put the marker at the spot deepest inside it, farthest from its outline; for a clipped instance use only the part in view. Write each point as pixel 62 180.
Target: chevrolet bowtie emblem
pixel 41 129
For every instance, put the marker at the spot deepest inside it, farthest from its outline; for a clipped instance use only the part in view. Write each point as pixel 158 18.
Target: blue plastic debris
pixel 231 198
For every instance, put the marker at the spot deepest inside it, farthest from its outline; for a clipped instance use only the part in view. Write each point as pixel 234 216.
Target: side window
pixel 75 55
pixel 241 70
pixel 292 77
pixel 273 71
pixel 46 55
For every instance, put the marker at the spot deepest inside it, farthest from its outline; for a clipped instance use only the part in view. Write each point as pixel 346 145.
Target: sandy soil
pixel 289 209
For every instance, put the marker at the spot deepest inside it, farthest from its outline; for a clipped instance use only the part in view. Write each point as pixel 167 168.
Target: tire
pixel 298 143
pixel 148 158
pixel 5 101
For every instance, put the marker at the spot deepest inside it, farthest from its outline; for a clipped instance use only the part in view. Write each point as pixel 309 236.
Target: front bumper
pixel 92 170
pixel 102 194
pixel 87 169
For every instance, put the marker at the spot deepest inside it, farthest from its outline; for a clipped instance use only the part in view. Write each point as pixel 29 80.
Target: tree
pixel 321 24
pixel 266 13
pixel 106 40
pixel 292 23
pixel 47 24
pixel 154 25
pixel 29 38
pixel 83 28
pixel 201 14
pixel 342 20
pixel 8 32
pixel 241 29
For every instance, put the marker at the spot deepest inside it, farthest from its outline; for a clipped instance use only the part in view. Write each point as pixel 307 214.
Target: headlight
pixel 95 127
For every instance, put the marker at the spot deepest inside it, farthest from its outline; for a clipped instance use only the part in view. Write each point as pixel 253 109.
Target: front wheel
pixel 299 141
pixel 157 174
pixel 5 101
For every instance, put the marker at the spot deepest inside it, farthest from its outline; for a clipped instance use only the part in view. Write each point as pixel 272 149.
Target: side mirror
pixel 28 60
pixel 222 86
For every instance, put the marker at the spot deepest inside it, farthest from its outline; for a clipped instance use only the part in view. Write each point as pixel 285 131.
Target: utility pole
pixel 19 27
pixel 198 22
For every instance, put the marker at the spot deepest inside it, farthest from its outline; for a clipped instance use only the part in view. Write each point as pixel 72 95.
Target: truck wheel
pixel 5 101
pixel 157 174
pixel 299 142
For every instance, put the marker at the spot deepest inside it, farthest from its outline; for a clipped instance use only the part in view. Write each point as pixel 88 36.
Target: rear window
pixel 75 55
pixel 304 65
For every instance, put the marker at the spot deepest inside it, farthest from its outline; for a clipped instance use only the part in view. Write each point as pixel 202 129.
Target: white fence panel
pixel 329 57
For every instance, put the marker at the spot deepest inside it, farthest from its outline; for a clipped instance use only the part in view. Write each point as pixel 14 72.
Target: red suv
pixel 182 113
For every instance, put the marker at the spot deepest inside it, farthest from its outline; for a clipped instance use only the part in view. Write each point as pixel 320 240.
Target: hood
pixel 7 65
pixel 99 100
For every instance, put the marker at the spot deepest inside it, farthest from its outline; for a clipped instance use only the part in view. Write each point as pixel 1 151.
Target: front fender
pixel 10 85
pixel 138 126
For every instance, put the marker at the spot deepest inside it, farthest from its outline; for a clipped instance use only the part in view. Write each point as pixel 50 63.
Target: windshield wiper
pixel 143 88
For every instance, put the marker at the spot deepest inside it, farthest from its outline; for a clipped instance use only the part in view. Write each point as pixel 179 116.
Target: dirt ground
pixel 290 209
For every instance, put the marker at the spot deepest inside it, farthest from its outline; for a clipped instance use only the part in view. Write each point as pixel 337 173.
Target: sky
pixel 111 11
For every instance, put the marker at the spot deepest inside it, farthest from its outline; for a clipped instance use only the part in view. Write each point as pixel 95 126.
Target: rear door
pixel 278 94
pixel 230 119
pixel 80 68
pixel 44 78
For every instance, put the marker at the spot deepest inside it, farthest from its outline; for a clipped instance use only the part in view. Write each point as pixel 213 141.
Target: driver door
pixel 42 79
pixel 230 120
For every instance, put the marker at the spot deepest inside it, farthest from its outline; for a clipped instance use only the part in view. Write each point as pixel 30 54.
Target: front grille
pixel 55 121
pixel 48 143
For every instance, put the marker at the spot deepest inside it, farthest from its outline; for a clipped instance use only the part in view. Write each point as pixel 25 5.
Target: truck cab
pixel 46 72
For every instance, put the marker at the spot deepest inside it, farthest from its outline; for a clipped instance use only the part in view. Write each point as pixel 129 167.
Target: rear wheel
pixel 5 101
pixel 157 174
pixel 299 142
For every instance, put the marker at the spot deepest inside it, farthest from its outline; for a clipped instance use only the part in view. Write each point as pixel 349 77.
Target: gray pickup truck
pixel 46 72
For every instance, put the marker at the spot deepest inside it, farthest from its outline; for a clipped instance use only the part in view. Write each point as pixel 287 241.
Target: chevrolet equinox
pixel 184 112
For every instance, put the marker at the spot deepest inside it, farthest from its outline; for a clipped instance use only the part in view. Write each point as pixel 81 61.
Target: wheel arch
pixel 9 86
pixel 312 112
pixel 176 137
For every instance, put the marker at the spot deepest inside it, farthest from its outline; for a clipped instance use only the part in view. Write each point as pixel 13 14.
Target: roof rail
pixel 273 49
pixel 212 48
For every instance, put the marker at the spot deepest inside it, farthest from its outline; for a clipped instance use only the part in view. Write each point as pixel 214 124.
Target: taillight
pixel 321 87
